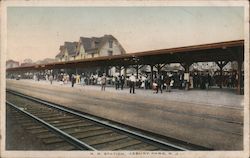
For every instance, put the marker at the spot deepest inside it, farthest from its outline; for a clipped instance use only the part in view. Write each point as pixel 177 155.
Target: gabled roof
pixel 71 47
pixel 61 53
pixel 91 45
pixel 86 42
pixel 95 43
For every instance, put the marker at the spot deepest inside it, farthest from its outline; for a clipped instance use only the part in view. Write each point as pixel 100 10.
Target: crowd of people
pixel 162 81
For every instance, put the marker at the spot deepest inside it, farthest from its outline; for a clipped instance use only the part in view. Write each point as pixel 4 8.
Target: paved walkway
pixel 208 118
pixel 212 97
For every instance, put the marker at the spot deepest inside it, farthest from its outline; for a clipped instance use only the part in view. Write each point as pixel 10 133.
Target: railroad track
pixel 65 129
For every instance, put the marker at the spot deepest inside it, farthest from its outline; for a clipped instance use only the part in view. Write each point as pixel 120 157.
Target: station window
pixel 110 53
pixel 110 44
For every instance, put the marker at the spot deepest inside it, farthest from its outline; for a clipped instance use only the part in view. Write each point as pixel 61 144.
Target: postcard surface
pixel 125 79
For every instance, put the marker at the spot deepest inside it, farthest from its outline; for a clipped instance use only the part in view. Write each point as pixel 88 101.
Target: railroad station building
pixel 106 45
pixel 153 62
pixel 91 47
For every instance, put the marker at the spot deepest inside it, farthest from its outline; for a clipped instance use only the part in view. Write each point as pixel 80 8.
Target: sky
pixel 38 32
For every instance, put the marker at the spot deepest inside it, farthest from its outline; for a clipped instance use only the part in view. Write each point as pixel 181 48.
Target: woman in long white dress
pixel 191 82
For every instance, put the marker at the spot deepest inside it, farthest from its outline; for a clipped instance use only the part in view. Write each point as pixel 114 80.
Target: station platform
pixel 210 118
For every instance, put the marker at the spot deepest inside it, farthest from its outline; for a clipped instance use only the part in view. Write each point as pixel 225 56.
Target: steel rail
pixel 72 140
pixel 99 121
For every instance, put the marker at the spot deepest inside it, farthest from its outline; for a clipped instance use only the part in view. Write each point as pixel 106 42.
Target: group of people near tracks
pixel 131 81
pixel 160 82
pixel 119 82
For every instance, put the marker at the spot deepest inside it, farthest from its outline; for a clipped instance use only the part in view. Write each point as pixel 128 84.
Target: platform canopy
pixel 213 52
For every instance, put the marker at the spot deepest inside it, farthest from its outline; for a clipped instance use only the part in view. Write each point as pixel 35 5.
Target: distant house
pixel 106 45
pixel 27 62
pixel 45 61
pixel 11 64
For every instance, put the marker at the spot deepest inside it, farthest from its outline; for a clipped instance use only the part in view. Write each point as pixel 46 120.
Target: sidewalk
pixel 212 97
